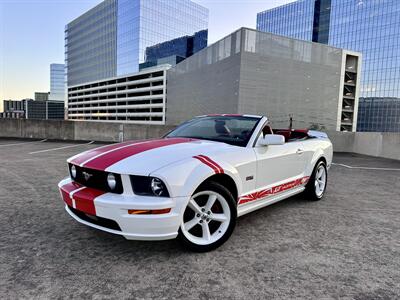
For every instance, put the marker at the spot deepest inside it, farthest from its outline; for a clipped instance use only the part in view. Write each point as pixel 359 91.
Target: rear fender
pixel 325 152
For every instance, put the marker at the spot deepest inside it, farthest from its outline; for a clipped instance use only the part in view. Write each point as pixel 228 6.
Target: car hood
pixel 144 157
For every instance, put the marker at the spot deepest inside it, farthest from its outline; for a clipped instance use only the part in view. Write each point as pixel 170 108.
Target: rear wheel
pixel 316 186
pixel 209 218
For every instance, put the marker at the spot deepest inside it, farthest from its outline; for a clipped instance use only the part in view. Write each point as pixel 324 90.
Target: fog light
pixel 73 172
pixel 111 181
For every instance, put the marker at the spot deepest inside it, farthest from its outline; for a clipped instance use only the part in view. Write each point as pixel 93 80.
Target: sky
pixel 32 36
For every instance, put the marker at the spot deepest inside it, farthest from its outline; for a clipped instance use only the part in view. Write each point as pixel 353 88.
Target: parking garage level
pixel 346 245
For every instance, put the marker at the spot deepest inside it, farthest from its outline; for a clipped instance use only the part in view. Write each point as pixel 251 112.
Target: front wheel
pixel 209 218
pixel 316 186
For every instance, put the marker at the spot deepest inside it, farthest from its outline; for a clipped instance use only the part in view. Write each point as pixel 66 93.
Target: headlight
pixel 73 172
pixel 111 181
pixel 149 186
pixel 157 186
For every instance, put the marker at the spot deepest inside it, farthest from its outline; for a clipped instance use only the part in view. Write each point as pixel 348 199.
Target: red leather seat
pixel 285 133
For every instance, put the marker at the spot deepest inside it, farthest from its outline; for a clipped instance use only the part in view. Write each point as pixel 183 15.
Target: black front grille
pixel 96 179
pixel 103 222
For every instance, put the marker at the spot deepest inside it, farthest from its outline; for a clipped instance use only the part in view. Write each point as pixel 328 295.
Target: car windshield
pixel 234 130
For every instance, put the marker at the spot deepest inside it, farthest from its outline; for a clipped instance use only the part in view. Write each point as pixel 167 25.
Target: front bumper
pixel 115 207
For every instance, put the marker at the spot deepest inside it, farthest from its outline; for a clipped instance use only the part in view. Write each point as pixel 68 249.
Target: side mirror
pixel 272 139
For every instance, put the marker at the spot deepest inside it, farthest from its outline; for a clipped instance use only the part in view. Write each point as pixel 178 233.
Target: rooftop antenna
pixel 290 122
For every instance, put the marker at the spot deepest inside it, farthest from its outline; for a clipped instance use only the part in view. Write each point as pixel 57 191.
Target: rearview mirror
pixel 272 139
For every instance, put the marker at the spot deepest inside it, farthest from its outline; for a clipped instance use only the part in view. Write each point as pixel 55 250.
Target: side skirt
pixel 252 206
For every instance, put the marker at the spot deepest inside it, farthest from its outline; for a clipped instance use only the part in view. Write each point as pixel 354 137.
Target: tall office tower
pixel 111 39
pixel 370 27
pixel 57 82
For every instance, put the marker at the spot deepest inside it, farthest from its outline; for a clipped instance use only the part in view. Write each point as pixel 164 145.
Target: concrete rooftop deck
pixel 345 246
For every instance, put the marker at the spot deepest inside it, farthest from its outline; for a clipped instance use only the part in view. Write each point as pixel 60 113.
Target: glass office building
pixel 111 39
pixel 90 44
pixel 370 27
pixel 57 84
pixel 176 50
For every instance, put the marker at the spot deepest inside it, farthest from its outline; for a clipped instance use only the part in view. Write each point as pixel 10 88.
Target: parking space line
pixel 60 148
pixel 365 168
pixel 18 144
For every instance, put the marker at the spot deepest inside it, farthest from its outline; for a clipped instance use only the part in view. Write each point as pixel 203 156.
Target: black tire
pixel 229 225
pixel 311 191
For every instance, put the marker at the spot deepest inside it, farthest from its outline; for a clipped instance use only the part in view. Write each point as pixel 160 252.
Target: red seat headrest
pixel 285 133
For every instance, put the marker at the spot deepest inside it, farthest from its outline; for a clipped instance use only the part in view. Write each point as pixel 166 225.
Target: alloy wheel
pixel 206 218
pixel 320 180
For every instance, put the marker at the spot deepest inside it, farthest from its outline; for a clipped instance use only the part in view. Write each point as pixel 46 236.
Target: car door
pixel 277 164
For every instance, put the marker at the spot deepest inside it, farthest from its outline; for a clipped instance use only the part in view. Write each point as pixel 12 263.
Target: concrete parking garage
pixel 345 246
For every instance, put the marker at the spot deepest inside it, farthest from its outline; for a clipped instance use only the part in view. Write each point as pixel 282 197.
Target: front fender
pixel 184 177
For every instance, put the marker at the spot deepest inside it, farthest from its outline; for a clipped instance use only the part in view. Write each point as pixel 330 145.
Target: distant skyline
pixel 32 36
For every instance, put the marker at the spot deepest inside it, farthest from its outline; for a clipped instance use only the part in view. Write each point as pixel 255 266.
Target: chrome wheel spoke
pixel 206 231
pixel 219 217
pixel 194 206
pixel 190 224
pixel 210 202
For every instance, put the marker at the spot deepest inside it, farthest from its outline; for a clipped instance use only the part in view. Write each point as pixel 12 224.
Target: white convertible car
pixel 194 182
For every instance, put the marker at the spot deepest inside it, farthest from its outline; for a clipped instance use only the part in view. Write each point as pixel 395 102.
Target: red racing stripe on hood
pixel 85 156
pixel 108 159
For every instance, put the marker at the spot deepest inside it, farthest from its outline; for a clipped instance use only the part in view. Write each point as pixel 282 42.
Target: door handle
pixel 299 151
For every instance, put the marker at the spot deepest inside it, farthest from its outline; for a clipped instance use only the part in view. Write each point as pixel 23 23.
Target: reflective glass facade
pixel 293 20
pixel 379 111
pixel 174 51
pixel 90 44
pixel 164 20
pixel 111 39
pixel 128 36
pixel 370 27
pixel 57 85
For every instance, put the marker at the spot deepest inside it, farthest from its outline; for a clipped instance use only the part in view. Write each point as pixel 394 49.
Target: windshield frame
pixel 243 143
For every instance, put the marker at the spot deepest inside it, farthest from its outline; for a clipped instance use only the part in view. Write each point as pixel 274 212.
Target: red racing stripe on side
pixel 108 159
pixel 273 190
pixel 81 158
pixel 209 162
pixel 84 200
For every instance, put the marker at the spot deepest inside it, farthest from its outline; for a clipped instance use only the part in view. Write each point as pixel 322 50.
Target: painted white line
pixel 60 148
pixel 365 168
pixel 18 144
